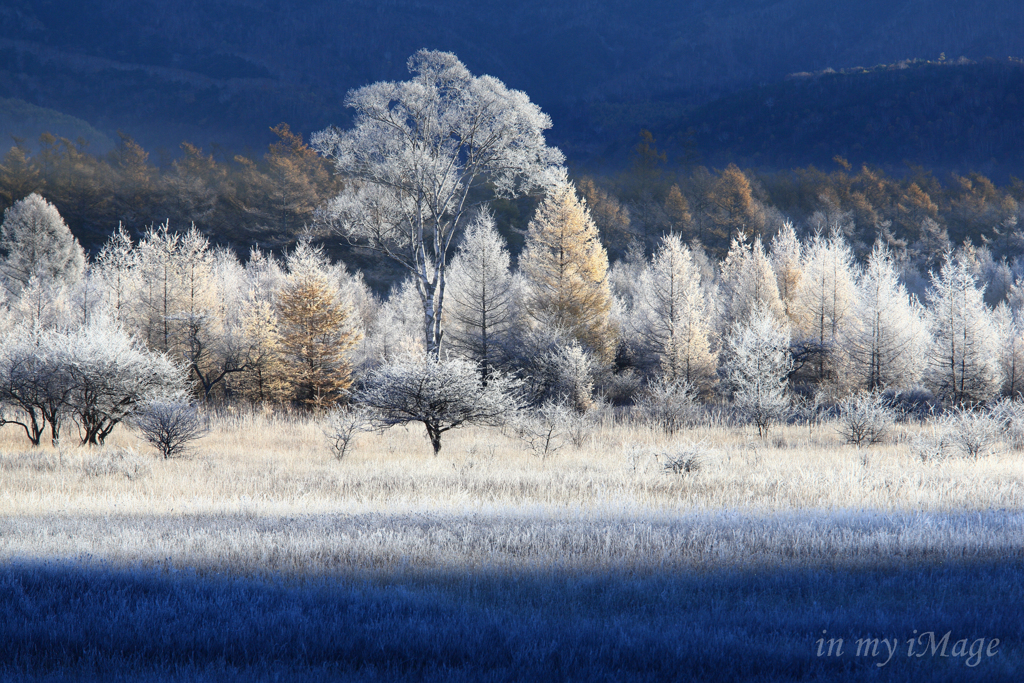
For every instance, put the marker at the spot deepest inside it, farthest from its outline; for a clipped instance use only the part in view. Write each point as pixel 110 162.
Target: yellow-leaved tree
pixel 317 329
pixel 565 268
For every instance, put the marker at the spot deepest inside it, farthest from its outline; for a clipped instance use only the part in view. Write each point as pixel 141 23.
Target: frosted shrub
pixel 170 425
pixel 688 459
pixel 572 374
pixel 343 425
pixel 668 405
pixel 544 430
pixel 865 419
pixel 930 449
pixel 973 433
pixel 1010 415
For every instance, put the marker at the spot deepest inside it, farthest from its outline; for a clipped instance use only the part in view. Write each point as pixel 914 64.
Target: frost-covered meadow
pixel 262 557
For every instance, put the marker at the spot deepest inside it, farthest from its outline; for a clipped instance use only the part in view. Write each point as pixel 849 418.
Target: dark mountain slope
pixel 954 117
pixel 226 71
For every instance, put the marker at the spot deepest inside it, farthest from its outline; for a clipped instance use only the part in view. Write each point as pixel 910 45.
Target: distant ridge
pixel 954 116
pixel 19 119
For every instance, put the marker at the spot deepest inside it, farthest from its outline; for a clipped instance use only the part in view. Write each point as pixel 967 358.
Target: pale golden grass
pixel 259 464
pixel 263 496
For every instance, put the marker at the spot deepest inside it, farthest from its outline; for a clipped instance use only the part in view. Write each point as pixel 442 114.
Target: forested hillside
pixel 225 72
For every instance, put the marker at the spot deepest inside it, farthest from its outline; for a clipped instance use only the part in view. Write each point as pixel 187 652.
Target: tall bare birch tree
pixel 422 153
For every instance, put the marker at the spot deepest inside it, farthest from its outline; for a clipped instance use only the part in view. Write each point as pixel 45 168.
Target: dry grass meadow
pixel 261 557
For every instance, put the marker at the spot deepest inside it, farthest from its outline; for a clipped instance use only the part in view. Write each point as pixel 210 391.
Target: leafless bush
pixel 170 425
pixel 668 405
pixel 1010 415
pixel 115 461
pixel 865 419
pixel 931 448
pixel 687 459
pixel 343 425
pixel 544 429
pixel 973 433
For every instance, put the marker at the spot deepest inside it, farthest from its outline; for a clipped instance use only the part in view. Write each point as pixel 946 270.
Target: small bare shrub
pixel 544 429
pixel 170 425
pixel 973 433
pixel 669 406
pixel 343 425
pixel 865 419
pixel 1010 415
pixel 115 461
pixel 686 460
pixel 579 426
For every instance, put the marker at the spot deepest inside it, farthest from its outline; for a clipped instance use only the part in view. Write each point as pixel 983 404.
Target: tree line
pixel 779 311
pixel 272 200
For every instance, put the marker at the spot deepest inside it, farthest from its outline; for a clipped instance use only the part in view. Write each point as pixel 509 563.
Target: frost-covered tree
pixel 36 243
pixel 442 394
pixel 397 329
pixel 95 374
pixel 825 301
pixel 115 265
pixel 158 273
pixel 964 353
pixel 565 271
pixel 785 256
pixel 758 365
pixel 34 384
pixel 747 283
pixel 888 344
pixel 264 379
pixel 672 315
pixel 423 152
pixel 1009 328
pixel 317 327
pixel 481 307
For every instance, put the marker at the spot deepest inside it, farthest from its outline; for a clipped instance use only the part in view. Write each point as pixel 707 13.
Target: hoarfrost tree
pixel 265 378
pixel 36 243
pixel 565 269
pixel 825 301
pixel 317 327
pixel 964 353
pixel 158 269
pixel 442 394
pixel 481 308
pixel 1010 334
pixel 423 152
pixel 889 342
pixel 748 283
pixel 786 261
pixel 396 332
pixel 96 374
pixel 34 383
pixel 672 315
pixel 758 365
pixel 115 265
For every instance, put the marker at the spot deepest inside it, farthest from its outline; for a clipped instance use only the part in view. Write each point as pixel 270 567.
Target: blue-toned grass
pixel 64 622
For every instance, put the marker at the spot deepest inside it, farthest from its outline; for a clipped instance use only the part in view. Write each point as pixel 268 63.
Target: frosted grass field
pixel 262 558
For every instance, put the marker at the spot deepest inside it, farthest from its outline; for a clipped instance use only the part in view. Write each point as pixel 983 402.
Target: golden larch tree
pixel 565 267
pixel 317 335
pixel 265 379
